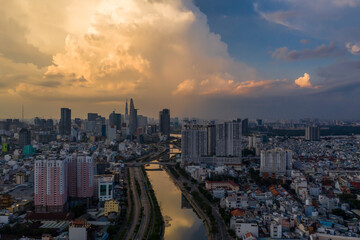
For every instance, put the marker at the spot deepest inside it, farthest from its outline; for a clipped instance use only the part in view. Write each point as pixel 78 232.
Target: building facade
pixel 276 161
pixel 164 122
pixel 65 122
pixel 50 184
pixel 312 133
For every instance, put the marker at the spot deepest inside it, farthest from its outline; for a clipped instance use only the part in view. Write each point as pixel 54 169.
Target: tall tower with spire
pixel 126 109
pixel 133 118
pixel 126 118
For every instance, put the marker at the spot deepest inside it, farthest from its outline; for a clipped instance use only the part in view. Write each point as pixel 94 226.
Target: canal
pixel 180 219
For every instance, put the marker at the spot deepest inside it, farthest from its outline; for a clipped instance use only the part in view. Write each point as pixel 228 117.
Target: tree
pixel 78 210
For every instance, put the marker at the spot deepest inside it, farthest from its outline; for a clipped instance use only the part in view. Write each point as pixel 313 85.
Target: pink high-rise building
pixel 60 177
pixel 50 184
pixel 72 168
pixel 85 176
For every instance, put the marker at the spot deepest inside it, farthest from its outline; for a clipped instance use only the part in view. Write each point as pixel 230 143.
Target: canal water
pixel 182 223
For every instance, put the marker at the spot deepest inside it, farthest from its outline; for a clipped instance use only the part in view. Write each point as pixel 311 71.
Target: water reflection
pixel 182 223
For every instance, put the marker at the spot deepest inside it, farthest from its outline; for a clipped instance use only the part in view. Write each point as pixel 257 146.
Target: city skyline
pixel 275 59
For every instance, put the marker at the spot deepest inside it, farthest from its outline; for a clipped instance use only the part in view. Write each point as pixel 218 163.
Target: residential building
pixel 105 188
pixel 276 161
pixel 50 183
pixel 312 133
pixel 111 206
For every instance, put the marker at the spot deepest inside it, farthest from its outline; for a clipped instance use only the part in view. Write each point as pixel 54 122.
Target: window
pixel 102 190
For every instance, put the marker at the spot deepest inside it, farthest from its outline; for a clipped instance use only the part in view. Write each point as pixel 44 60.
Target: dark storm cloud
pixel 322 51
pixel 340 78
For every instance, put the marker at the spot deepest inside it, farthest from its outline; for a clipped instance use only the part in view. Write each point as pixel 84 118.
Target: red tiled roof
pixel 238 212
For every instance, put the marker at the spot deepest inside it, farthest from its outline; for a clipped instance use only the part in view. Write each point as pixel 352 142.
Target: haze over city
pixel 274 59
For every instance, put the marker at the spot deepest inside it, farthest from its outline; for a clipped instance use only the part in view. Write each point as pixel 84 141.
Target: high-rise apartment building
pixel 312 133
pixel 211 140
pixel 228 139
pixel 65 122
pixel 58 177
pixel 164 122
pixel 50 183
pixel 85 176
pixel 193 143
pixel 276 161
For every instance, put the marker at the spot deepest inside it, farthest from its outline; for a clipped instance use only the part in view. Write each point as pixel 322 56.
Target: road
pixel 145 203
pixel 129 234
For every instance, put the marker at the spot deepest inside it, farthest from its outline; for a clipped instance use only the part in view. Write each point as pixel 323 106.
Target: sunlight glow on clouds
pixel 304 81
pixel 136 47
pixel 353 48
pixel 103 51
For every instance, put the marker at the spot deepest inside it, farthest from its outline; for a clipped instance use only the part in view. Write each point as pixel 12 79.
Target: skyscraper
pixel 115 120
pixel 133 118
pixel 65 122
pixel 126 110
pixel 164 122
pixel 24 137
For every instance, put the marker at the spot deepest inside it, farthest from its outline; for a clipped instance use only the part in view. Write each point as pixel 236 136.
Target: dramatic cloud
pixel 138 48
pixel 333 20
pixel 341 77
pixel 304 82
pixel 92 55
pixel 323 51
pixel 353 48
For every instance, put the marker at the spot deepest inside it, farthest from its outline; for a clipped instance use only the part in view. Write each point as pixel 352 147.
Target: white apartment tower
pixel 228 139
pixel 276 161
pixel 193 143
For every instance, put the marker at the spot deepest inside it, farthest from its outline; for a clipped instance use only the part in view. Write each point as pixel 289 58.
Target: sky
pixel 272 59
